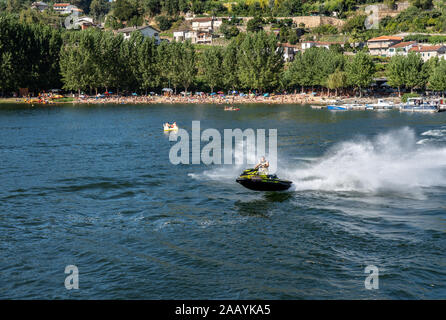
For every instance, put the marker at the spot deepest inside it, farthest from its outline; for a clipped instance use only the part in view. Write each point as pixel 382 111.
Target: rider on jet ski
pixel 262 166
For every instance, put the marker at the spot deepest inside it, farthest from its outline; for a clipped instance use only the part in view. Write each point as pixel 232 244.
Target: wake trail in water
pixel 391 162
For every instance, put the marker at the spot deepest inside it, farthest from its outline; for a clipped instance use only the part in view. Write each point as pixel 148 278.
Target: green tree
pixel 229 31
pixel 255 24
pixel 294 74
pixel 360 71
pixel 422 4
pixel 164 23
pixel 98 8
pixel 230 65
pixel 437 79
pixel 414 76
pixel 6 72
pixel 186 65
pixel 259 61
pixel 210 65
pixel 148 64
pixel 337 80
pixel 395 72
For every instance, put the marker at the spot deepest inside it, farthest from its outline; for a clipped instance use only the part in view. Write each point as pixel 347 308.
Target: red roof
pixel 426 48
pixel 403 44
pixel 61 5
pixel 202 20
pixel 386 38
pixel 286 44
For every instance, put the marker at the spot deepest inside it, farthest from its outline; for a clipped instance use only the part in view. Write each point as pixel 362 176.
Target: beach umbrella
pixel 266 95
pixel 213 94
pixel 167 89
pixel 134 94
pixel 151 92
pixel 220 92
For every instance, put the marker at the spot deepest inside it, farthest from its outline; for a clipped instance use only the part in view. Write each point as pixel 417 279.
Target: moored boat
pixel 417 105
pixel 337 107
pixel 381 105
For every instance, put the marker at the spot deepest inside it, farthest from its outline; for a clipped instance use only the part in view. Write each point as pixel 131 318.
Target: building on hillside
pixel 428 52
pixel 41 6
pixel 319 44
pixel 288 51
pixel 146 31
pixel 183 35
pixel 196 37
pixel 379 46
pixel 60 7
pixel 206 24
pixel 84 23
pixel 401 48
pixel 66 8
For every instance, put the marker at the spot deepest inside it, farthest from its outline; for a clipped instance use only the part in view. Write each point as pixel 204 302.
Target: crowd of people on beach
pixel 200 99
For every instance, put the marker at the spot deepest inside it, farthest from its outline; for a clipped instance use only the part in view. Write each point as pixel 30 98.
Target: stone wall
pixel 309 21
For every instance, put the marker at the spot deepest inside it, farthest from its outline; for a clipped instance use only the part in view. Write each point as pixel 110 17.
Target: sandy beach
pixel 204 99
pixel 232 100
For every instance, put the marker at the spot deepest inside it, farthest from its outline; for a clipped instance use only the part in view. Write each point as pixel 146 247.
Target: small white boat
pixel 381 105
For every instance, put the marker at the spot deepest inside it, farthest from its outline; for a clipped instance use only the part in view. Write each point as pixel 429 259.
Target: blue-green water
pixel 92 186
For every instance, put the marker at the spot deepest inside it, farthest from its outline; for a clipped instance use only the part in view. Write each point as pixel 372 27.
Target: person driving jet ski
pixel 262 166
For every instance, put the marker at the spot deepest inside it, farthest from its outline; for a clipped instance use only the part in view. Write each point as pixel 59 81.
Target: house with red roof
pixel 428 52
pixel 66 8
pixel 378 46
pixel 401 48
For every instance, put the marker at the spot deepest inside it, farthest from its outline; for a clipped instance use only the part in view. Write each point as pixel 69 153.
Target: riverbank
pixel 235 100
pixel 205 99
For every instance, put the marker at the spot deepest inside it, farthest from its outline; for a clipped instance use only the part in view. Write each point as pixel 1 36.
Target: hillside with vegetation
pixel 421 16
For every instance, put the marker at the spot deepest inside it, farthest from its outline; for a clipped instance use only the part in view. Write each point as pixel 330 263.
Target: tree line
pixel 41 58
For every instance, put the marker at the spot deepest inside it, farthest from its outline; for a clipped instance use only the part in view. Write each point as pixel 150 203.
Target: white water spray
pixel 391 162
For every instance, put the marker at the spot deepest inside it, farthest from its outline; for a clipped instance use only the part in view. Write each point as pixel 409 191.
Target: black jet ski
pixel 251 179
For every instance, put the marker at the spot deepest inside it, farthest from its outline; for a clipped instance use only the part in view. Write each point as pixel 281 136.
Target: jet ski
pixel 253 180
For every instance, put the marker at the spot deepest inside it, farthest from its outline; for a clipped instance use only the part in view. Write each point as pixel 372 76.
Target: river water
pixel 92 186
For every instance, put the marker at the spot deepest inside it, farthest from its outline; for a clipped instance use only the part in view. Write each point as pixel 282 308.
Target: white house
pixel 428 52
pixel 401 48
pixel 378 46
pixel 203 37
pixel 147 31
pixel 206 24
pixel 41 6
pixel 184 34
pixel 66 8
pixel 59 7
pixel 318 44
pixel 84 23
